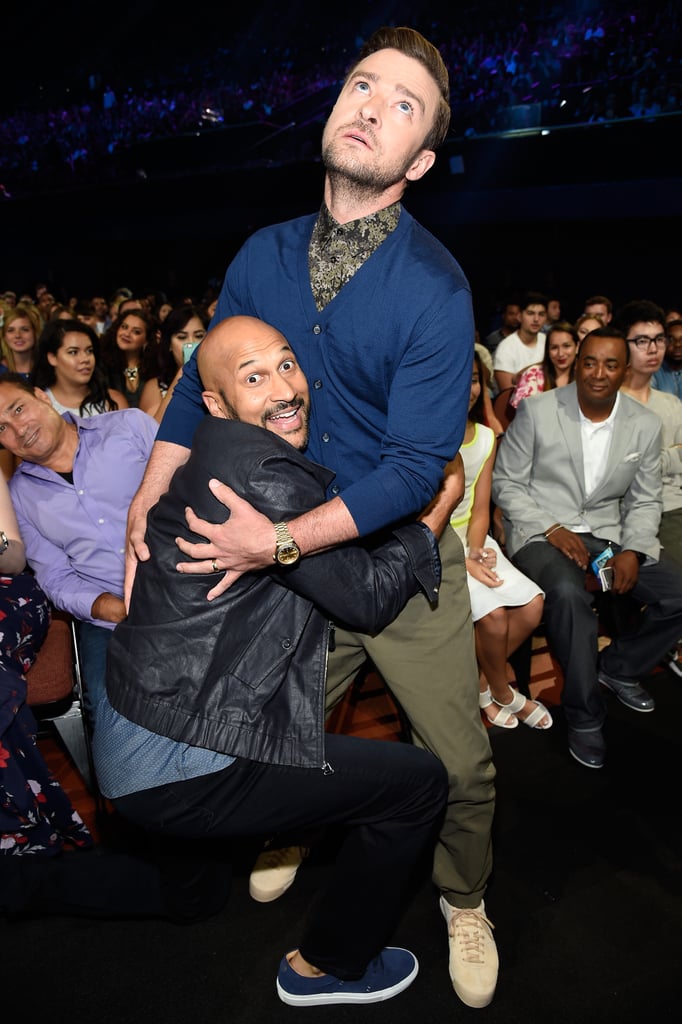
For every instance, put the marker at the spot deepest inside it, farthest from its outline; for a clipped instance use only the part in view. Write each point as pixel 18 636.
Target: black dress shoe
pixel 630 694
pixel 587 747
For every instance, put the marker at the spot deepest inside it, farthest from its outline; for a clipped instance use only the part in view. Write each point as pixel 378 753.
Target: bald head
pixel 250 373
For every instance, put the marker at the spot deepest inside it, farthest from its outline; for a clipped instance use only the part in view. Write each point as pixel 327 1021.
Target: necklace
pixel 131 372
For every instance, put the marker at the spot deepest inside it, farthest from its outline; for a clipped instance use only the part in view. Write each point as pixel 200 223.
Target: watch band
pixel 282 536
pixel 287 551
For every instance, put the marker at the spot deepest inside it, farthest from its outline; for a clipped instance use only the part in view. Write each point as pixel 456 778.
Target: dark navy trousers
pixel 389 796
pixel 571 626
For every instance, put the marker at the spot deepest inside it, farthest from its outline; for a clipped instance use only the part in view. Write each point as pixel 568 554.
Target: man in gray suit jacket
pixel 578 471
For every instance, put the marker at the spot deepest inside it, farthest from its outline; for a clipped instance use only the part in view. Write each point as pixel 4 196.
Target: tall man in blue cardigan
pixel 380 316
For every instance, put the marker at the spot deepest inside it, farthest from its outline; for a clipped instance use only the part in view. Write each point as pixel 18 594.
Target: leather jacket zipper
pixel 326 767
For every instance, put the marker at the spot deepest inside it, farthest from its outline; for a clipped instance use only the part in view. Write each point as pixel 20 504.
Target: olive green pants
pixel 427 658
pixel 670 535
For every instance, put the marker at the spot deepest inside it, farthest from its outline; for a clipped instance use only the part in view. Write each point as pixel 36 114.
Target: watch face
pixel 287 554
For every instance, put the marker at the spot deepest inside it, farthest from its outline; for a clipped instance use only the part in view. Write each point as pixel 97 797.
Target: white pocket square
pixel 633 457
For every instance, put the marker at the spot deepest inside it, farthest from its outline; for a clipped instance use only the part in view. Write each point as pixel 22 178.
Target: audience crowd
pixel 54 346
pixel 509 68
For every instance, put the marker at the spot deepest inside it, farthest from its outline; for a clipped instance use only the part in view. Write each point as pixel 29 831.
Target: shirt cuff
pixel 422 548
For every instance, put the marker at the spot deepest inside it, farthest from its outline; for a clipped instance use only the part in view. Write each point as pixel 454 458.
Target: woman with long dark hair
pixel 180 332
pixel 557 366
pixel 129 353
pixel 68 369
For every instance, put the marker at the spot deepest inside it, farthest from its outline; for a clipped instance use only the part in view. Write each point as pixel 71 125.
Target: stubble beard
pixel 357 180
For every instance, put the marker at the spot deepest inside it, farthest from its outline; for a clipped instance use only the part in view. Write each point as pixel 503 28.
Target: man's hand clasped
pixel 244 541
pixel 625 564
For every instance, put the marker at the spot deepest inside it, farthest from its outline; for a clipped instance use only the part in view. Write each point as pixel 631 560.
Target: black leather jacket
pixel 245 674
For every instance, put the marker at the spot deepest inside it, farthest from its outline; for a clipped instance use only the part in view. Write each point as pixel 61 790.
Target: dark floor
pixel 586 897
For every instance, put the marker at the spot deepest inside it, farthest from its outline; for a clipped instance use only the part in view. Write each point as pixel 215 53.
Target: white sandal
pixel 532 720
pixel 505 718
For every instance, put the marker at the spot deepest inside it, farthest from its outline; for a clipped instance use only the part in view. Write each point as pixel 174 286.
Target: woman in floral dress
pixel 36 816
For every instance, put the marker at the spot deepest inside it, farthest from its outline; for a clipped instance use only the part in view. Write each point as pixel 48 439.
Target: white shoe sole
pixel 269 895
pixel 333 998
pixel 674 665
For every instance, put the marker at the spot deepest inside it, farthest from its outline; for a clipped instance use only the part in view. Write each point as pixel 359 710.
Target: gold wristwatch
pixel 287 551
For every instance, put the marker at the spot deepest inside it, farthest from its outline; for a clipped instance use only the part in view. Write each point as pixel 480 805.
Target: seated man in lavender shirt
pixel 71 491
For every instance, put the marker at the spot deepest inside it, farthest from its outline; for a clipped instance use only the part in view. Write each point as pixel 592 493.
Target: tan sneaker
pixel 274 871
pixel 473 954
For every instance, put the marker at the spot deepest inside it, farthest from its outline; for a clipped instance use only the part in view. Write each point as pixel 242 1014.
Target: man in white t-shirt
pixel 525 346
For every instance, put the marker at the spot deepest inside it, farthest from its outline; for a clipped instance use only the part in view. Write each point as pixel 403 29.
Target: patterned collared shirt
pixel 337 251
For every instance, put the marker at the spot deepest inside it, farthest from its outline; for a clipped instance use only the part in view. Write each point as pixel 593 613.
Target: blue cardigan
pixel 388 361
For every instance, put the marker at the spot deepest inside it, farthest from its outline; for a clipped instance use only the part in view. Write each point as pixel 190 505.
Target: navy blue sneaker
pixel 391 972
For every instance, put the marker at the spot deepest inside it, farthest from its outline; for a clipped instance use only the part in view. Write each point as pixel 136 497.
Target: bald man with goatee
pixel 213 725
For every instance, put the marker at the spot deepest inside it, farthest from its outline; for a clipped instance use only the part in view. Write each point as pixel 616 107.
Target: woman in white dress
pixel 506 606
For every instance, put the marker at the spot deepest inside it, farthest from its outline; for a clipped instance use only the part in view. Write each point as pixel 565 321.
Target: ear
pixel 213 403
pixel 422 163
pixel 42 396
pixel 51 358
